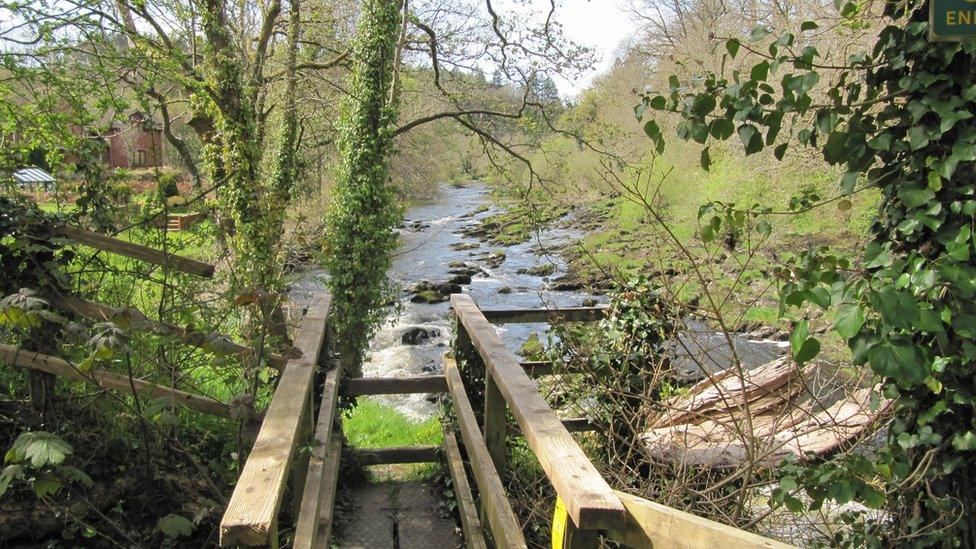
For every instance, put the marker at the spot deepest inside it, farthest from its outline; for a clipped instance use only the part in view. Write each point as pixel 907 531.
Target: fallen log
pixel 709 425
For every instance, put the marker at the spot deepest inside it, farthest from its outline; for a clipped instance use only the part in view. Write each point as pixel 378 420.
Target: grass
pixel 372 424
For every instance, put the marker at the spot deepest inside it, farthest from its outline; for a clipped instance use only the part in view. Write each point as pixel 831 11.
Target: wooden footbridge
pixel 303 414
pixel 299 446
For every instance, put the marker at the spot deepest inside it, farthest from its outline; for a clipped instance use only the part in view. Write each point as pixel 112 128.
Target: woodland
pixel 797 173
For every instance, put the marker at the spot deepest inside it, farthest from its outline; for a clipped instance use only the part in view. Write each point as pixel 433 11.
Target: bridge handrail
pixel 251 517
pixel 590 501
pixel 643 523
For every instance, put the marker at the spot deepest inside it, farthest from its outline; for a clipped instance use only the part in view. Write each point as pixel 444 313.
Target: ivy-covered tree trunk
pixel 231 152
pixel 286 163
pixel 363 214
pixel 923 275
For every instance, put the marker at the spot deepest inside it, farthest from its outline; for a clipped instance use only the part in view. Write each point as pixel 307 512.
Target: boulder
pixel 429 296
pixel 565 285
pixel 418 335
pixel 460 279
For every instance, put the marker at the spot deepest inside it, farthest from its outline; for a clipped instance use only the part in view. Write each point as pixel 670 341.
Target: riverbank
pixel 729 283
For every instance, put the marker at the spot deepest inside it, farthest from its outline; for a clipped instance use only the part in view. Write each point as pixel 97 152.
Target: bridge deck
pixel 395 515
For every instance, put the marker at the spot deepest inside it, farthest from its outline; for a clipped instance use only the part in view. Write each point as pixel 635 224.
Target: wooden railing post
pixel 472 368
pixel 299 470
pixel 495 424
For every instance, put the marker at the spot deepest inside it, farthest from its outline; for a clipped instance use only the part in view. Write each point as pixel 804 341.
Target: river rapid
pixel 432 244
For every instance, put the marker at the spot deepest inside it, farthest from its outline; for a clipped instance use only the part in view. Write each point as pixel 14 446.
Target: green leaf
pixel 175 526
pixel 758 33
pixel 9 474
pixel 732 46
pixel 47 484
pixel 802 347
pixel 639 110
pixel 40 448
pixel 964 441
pixel 809 25
pixel 721 128
pixel 703 104
pixel 914 197
pixel 880 142
pixel 760 71
pixel 654 132
pixel 850 319
pixel 751 138
pixel 918 137
pixel 897 308
pixel 899 360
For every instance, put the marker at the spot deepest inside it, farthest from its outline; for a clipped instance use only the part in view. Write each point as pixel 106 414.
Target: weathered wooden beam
pixel 139 321
pixel 650 524
pixel 252 513
pixel 589 500
pixel 333 461
pixel 565 314
pixel 109 380
pixel 360 386
pixel 504 527
pixel 386 456
pixel 474 536
pixel 321 477
pixel 137 251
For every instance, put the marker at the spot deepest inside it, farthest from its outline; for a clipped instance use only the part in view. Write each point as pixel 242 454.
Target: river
pixel 431 241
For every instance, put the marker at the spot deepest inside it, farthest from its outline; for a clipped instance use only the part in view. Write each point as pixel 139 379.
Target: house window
pixel 140 158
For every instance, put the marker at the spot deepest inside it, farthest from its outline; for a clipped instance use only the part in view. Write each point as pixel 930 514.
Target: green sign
pixel 951 20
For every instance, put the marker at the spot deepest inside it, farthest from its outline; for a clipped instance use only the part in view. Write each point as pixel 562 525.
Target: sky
pixel 600 24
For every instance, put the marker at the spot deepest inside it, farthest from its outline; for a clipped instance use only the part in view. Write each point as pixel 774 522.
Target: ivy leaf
pixel 706 160
pixel 914 197
pixel 850 319
pixel 964 441
pixel 174 526
pixel 809 25
pixel 899 360
pixel 897 308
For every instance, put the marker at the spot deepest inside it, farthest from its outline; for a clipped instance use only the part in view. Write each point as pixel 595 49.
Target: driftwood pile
pixel 758 416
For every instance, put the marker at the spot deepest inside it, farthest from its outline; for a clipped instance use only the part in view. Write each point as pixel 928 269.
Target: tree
pixel 899 118
pixel 363 214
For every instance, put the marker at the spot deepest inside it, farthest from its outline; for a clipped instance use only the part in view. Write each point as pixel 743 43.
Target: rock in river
pixel 418 335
